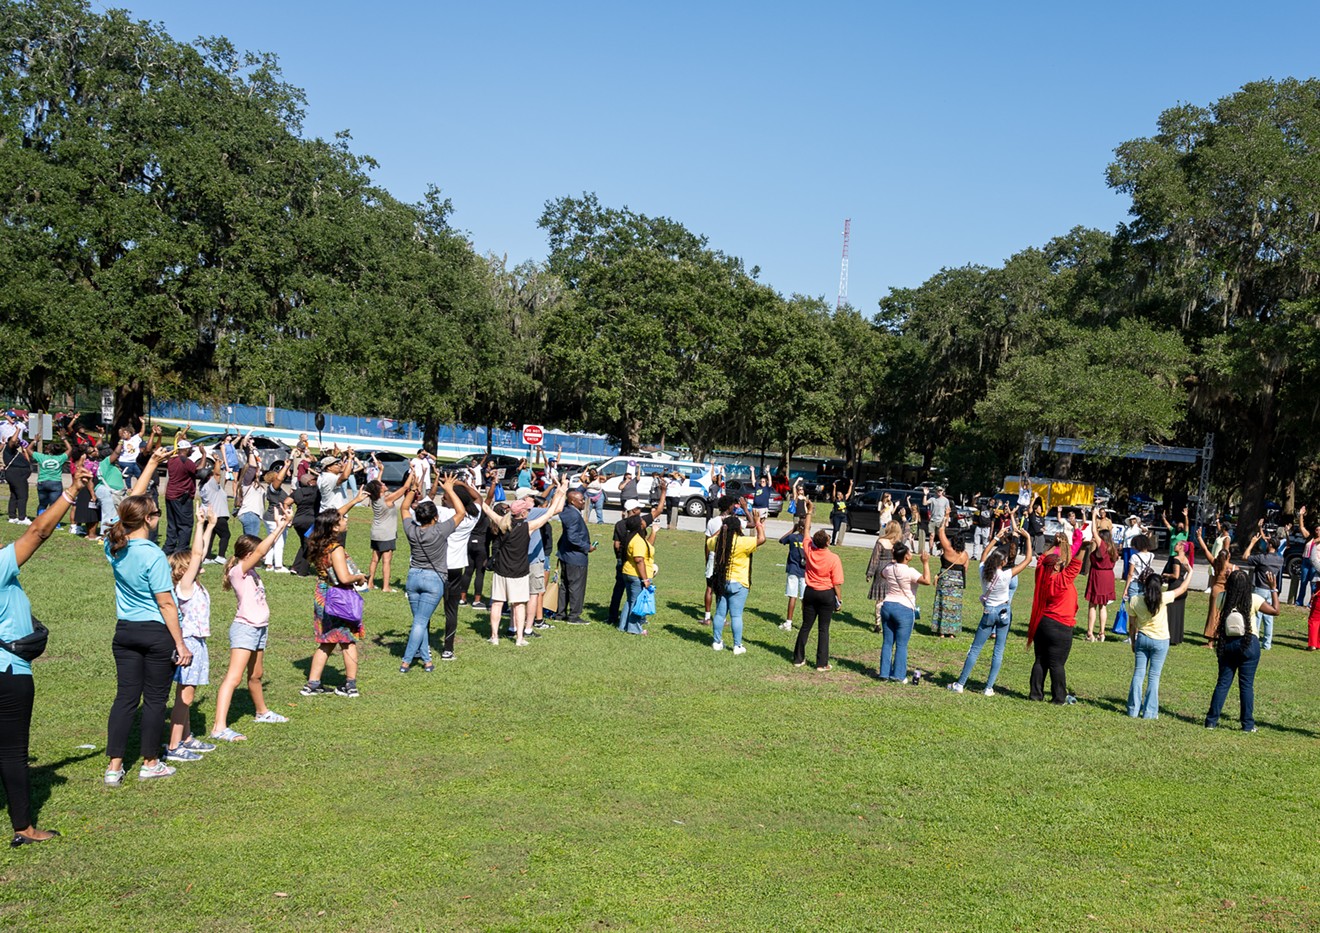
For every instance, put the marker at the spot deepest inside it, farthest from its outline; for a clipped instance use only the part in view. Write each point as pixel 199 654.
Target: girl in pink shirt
pixel 248 632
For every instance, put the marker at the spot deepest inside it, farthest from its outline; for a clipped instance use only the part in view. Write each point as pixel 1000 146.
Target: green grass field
pixel 600 781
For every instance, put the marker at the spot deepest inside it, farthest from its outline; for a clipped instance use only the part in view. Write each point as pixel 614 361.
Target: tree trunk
pixel 129 402
pixel 490 431
pixel 431 433
pixel 1260 440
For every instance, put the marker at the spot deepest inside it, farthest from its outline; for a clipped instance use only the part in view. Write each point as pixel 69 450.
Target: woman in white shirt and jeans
pixel 997 598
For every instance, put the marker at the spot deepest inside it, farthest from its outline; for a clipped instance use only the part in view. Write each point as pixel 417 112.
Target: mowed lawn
pixel 595 780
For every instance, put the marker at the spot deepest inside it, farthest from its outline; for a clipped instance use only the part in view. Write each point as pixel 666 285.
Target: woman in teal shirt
pixel 50 475
pixel 148 643
pixel 17 689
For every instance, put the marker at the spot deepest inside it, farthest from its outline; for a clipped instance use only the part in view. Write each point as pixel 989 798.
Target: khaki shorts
pixel 536 579
pixel 510 589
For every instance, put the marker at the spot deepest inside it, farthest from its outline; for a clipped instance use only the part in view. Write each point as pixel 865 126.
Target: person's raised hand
pixel 82 479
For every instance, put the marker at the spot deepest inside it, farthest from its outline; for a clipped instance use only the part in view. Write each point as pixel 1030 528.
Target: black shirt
pixel 306 503
pixel 620 538
pixel 511 558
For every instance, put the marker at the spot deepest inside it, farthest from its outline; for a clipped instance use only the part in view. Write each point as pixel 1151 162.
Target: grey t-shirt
pixel 939 507
pixel 333 493
pixel 1261 564
pixel 214 498
pixel 384 520
pixel 429 544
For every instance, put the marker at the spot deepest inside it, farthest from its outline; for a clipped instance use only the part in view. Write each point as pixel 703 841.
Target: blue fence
pixel 579 446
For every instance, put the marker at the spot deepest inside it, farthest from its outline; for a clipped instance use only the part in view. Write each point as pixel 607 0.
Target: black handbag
pixel 31 646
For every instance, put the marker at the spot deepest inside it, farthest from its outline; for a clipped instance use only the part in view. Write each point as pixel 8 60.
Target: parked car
pixel 691 493
pixel 393 467
pixel 271 451
pixel 739 482
pixel 505 467
pixel 864 507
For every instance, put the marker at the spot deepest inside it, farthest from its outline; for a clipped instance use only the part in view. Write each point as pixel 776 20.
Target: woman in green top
pixel 110 487
pixel 50 475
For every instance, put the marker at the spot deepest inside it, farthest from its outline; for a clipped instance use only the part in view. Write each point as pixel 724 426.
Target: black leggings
pixel 16 693
pixel 476 565
pixel 221 536
pixel 18 495
pixel 453 592
pixel 817 607
pixel 1053 644
pixel 143 659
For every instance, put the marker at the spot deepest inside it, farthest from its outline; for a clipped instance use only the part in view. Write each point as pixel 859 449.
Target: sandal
pixel 403 668
pixel 428 667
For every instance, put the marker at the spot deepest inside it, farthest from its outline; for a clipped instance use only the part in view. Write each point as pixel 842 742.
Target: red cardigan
pixel 1056 595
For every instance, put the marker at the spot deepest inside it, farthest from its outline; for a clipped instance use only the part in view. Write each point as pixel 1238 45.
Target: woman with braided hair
pixel 1238 645
pixel 732 574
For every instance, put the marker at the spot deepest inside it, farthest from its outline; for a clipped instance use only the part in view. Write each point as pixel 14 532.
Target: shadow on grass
pixel 44 777
pixel 698 636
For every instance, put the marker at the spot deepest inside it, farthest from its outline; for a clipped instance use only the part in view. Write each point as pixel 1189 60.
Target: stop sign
pixel 532 434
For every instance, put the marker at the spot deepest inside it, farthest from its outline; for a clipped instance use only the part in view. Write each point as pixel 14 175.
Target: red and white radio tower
pixel 843 267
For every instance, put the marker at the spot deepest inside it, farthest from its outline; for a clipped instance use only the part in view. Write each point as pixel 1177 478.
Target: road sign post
pixel 532 434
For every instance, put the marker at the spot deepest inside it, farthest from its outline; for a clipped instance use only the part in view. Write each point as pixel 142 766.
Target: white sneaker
pixel 270 716
pixel 739 649
pixel 23 521
pixel 955 687
pixel 717 645
pixel 786 625
pixel 158 770
pixel 989 691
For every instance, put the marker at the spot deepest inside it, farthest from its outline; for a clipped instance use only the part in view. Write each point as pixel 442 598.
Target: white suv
pixel 690 493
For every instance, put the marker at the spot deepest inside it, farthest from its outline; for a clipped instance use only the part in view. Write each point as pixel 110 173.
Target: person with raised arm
pixel 824 594
pixel 839 511
pixel 326 555
pixel 1150 637
pixel 249 631
pixel 732 573
pixel 512 570
pixel 946 619
pixel 1238 646
pixel 428 542
pixel 898 612
pixel 997 575
pixel 18 628
pixel 385 527
pixel 194 603
pixel 1053 616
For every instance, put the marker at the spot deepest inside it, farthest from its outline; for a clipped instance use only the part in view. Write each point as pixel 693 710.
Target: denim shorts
pixel 247 637
pixel 198 672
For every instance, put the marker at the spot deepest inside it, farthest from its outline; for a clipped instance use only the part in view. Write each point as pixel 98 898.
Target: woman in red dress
pixel 1100 584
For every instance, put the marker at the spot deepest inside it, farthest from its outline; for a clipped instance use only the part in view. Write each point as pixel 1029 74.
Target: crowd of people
pixel 460 524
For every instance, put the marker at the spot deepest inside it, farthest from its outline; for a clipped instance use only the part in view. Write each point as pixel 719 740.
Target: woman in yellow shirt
pixel 733 574
pixel 638 570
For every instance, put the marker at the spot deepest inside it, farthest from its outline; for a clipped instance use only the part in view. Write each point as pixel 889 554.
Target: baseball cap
pixel 328 461
pixel 524 492
pixel 632 504
pixel 185 444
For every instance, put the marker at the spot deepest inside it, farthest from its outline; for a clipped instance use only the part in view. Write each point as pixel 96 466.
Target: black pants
pixel 178 530
pixel 476 566
pixel 143 659
pixel 453 593
pixel 620 590
pixel 817 607
pixel 16 693
pixel 572 590
pixel 1053 643
pixel 221 536
pixel 299 565
pixel 18 495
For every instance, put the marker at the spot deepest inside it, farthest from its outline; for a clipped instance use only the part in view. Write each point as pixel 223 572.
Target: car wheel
pixel 694 507
pixel 1294 569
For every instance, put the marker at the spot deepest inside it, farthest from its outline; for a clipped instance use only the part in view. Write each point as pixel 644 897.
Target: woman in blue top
pixel 148 643
pixel 16 686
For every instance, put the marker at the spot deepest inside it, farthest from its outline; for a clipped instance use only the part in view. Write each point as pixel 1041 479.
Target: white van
pixel 690 494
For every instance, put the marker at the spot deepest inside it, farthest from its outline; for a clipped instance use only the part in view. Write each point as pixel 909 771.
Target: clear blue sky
pixel 950 133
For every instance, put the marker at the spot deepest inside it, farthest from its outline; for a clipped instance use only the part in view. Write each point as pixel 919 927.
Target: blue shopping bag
pixel 644 605
pixel 1120 619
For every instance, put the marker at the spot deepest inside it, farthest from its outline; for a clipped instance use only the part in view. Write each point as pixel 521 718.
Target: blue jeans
pixel 632 624
pixel 994 620
pixel 731 601
pixel 1238 656
pixel 47 492
pixel 597 505
pixel 1264 623
pixel 1304 583
pixel 896 621
pixel 1149 654
pixel 425 589
pixel 251 523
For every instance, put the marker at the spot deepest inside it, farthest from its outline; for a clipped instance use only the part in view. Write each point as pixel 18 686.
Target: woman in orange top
pixel 824 594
